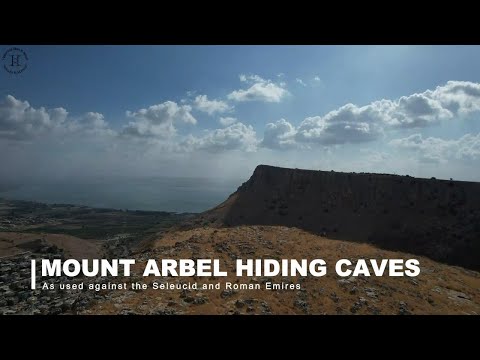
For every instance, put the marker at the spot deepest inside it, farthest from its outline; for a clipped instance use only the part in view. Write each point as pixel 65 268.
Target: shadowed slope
pixel 436 218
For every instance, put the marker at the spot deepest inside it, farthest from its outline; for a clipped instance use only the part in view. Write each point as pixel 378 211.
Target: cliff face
pixel 436 218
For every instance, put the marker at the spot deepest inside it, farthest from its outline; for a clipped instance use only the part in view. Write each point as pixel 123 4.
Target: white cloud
pixel 455 98
pixel 20 121
pixel 459 97
pixel 417 110
pixel 345 125
pixel 316 78
pixel 356 124
pixel 250 78
pixel 234 137
pixel 92 123
pixel 259 90
pixel 300 81
pixel 158 121
pixel 349 124
pixel 156 127
pixel 433 149
pixel 202 103
pixel 54 141
pixel 94 120
pixel 226 121
pixel 279 135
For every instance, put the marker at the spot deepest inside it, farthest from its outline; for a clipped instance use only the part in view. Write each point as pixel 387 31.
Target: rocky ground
pixel 31 230
pixel 16 296
pixel 439 289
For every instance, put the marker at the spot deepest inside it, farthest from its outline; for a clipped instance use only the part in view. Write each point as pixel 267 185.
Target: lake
pixel 158 194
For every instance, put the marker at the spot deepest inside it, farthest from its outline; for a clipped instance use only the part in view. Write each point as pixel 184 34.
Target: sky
pixel 219 111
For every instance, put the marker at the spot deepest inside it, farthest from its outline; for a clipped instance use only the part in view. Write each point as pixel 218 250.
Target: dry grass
pixel 73 247
pixel 439 289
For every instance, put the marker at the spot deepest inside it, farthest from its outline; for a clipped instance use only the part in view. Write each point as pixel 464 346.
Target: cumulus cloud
pixel 20 121
pixel 456 98
pixel 417 110
pixel 226 121
pixel 316 78
pixel 92 123
pixel 345 125
pixel 234 137
pixel 300 81
pixel 459 97
pixel 158 121
pixel 202 103
pixel 94 120
pixel 279 135
pixel 259 90
pixel 349 124
pixel 356 124
pixel 439 150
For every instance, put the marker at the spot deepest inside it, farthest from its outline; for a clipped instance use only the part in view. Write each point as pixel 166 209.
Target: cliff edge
pixel 436 218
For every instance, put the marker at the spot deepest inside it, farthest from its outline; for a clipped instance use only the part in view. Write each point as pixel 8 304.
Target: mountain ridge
pixel 439 219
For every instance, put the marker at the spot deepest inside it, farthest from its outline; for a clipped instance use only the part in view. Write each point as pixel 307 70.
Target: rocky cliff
pixel 436 218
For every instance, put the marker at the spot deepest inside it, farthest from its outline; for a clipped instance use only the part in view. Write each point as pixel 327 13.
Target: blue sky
pixel 221 110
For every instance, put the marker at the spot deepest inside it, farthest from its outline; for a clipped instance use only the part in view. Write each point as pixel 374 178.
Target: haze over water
pixel 156 194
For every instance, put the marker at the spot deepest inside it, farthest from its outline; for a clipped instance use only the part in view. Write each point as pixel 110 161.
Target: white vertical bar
pixel 34 276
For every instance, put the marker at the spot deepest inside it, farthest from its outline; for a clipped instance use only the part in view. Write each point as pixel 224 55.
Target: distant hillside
pixel 436 218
